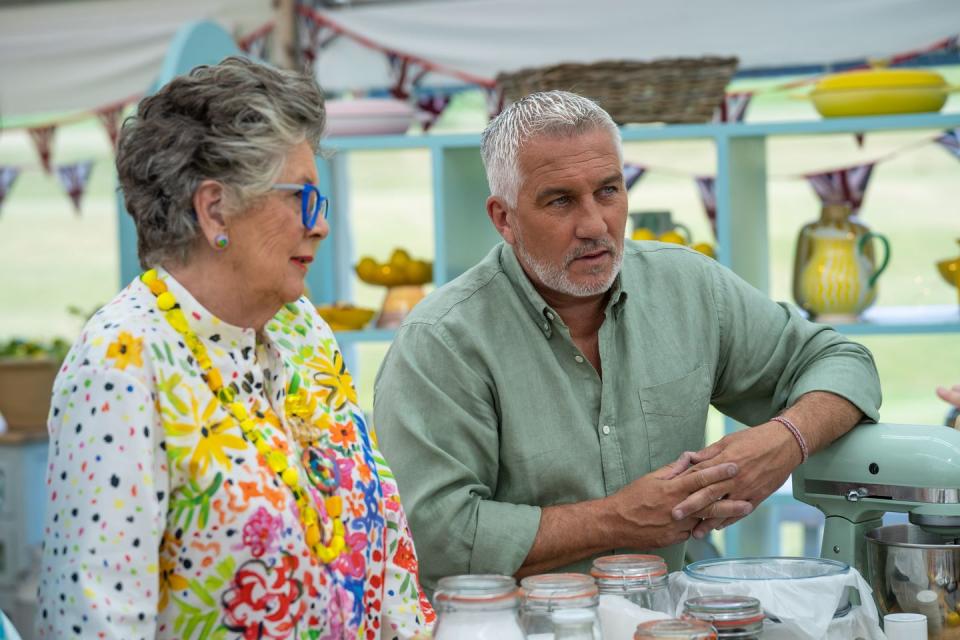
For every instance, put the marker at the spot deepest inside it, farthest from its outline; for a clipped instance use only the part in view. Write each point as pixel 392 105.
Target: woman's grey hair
pixel 233 122
pixel 546 114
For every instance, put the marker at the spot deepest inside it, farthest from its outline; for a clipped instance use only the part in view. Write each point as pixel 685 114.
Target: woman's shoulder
pixel 122 335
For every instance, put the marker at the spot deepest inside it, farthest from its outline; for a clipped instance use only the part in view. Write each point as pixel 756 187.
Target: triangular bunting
pixel 495 101
pixel 255 43
pixel 842 186
pixel 632 173
pixel 733 108
pixel 708 194
pixel 8 175
pixel 74 178
pixel 950 140
pixel 430 107
pixel 110 118
pixel 43 140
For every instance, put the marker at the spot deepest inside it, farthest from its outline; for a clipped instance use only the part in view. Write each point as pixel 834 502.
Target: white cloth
pixel 804 606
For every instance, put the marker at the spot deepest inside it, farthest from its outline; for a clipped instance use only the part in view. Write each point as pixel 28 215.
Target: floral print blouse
pixel 164 522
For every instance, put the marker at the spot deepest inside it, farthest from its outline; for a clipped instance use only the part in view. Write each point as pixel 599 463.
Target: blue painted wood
pixel 366 335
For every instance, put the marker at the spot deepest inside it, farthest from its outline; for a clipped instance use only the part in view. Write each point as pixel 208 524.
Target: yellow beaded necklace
pixel 326 540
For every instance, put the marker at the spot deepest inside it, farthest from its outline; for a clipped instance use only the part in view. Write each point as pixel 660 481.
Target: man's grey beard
pixel 556 277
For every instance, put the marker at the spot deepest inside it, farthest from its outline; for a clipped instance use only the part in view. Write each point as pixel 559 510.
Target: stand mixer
pixel 879 468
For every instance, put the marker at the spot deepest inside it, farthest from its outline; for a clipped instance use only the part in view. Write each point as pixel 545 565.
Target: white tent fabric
pixel 84 54
pixel 70 56
pixel 483 37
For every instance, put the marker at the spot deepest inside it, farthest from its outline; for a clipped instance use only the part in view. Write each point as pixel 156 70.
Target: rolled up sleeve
pixel 437 419
pixel 771 356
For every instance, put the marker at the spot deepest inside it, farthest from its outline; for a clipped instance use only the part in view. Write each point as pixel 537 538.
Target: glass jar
pixel 739 617
pixel 574 624
pixel 641 579
pixel 477 607
pixel 675 629
pixel 549 593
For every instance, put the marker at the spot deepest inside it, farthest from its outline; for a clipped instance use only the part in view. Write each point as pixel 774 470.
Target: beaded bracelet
pixel 804 451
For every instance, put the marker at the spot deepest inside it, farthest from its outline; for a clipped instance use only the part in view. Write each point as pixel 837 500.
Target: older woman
pixel 210 473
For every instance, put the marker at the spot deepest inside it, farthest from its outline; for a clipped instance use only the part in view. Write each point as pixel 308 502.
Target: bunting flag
pixel 43 139
pixel 8 175
pixel 733 108
pixel 405 74
pixel 430 107
pixel 110 118
pixel 314 35
pixel 708 194
pixel 255 42
pixel 950 140
pixel 74 178
pixel 632 173
pixel 860 138
pixel 842 186
pixel 495 102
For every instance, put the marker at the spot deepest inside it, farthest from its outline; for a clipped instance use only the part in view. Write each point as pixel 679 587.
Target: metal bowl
pixel 913 570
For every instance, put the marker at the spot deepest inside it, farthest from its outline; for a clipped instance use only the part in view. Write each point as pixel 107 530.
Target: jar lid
pixel 558 586
pixel 476 589
pixel 628 566
pixel 764 568
pixel 725 612
pixel 687 629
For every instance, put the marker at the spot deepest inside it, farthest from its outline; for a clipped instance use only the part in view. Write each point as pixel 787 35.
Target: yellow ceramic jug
pixel 835 273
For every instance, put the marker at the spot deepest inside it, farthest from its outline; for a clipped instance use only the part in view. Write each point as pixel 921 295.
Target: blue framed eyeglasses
pixel 313 204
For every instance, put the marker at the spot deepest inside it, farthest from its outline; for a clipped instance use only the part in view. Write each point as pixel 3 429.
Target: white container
pixel 905 626
pixel 477 607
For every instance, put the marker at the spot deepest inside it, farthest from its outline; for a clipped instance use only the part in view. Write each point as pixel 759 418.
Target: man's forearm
pixel 568 533
pixel 822 417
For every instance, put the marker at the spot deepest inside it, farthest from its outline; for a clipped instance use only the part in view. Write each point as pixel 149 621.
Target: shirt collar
pixel 214 332
pixel 541 313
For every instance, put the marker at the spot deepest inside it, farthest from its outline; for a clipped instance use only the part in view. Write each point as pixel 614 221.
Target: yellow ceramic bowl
pixel 950 270
pixel 876 92
pixel 346 317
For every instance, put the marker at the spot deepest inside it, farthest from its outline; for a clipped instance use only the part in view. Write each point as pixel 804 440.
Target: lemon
pixel 399 258
pixel 367 269
pixel 643 233
pixel 672 237
pixel 419 272
pixel 953 619
pixel 705 248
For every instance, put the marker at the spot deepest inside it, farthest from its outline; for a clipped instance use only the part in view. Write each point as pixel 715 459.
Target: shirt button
pixel 546 326
pixel 578 358
pixel 549 316
pixel 606 430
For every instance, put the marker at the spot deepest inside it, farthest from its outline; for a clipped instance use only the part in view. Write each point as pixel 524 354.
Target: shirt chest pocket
pixel 675 414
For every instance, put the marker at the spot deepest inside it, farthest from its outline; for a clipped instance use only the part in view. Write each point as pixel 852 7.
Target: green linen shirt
pixel 487 411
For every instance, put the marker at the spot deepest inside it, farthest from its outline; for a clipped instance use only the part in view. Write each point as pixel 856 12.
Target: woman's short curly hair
pixel 233 122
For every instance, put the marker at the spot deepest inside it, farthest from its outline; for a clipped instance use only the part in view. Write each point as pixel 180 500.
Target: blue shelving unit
pixel 463 234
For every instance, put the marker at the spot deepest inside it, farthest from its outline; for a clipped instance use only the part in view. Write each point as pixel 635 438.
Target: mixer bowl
pixel 914 571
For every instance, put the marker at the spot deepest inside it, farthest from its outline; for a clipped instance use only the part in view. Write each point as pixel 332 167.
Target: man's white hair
pixel 545 114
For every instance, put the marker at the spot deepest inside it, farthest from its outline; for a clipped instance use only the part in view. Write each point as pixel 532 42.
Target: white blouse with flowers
pixel 163 521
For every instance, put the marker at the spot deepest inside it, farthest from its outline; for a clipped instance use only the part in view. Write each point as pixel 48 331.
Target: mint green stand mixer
pixel 879 468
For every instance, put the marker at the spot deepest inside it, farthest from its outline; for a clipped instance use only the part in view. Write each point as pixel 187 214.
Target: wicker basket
pixel 670 90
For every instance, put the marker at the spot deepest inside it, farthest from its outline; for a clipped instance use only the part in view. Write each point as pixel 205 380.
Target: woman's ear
pixel 497 211
pixel 208 205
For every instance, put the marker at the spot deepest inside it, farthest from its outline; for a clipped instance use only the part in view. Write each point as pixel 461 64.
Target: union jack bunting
pixel 43 140
pixel 8 176
pixel 950 140
pixel 430 107
pixel 842 186
pixel 255 43
pixel 74 178
pixel 733 108
pixel 708 194
pixel 632 173
pixel 110 118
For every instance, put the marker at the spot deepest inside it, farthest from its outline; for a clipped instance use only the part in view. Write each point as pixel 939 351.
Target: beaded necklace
pixel 325 539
